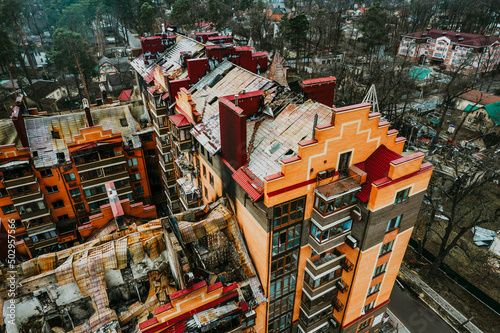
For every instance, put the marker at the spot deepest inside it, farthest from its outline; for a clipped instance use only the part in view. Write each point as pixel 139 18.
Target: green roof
pixel 434 121
pixel 493 110
pixel 469 107
pixel 419 73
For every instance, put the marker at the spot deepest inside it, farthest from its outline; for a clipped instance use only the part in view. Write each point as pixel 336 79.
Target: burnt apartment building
pixel 54 170
pixel 324 196
pixel 191 272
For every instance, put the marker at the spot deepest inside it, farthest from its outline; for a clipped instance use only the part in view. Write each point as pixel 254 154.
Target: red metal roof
pixel 179 120
pixel 245 182
pixel 150 77
pixel 376 166
pixel 319 80
pixel 125 95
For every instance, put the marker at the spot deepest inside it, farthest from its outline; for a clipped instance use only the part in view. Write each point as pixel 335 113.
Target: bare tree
pixel 456 201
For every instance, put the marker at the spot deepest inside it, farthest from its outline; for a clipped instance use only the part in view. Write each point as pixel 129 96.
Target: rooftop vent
pixel 428 29
pixel 424 34
pixel 444 33
pixel 460 39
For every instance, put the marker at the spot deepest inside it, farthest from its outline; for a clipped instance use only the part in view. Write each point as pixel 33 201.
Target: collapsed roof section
pixel 120 279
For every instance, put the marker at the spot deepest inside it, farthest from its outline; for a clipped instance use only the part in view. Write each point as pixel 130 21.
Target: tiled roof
pixel 376 166
pixel 277 71
pixel 68 125
pixel 479 97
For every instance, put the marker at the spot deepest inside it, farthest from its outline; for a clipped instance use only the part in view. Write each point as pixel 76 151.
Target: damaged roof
pixel 170 61
pixel 41 131
pixel 8 133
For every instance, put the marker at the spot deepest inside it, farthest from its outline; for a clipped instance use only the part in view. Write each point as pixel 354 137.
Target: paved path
pixel 439 300
pixel 415 314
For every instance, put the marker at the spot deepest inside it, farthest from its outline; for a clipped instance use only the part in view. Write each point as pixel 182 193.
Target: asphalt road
pixel 415 314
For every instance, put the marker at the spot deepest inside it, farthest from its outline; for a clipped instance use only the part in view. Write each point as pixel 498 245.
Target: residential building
pixel 468 53
pixel 188 273
pixel 54 170
pixel 484 119
pixel 325 199
pixel 476 98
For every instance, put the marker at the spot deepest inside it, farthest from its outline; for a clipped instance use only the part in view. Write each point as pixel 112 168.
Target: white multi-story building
pixel 455 50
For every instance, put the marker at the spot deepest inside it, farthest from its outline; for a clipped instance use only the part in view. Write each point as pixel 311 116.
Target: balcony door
pixel 344 161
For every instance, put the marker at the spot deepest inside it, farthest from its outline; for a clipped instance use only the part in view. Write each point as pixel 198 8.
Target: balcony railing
pixel 321 264
pixel 34 214
pixel 26 198
pixel 21 181
pixel 86 183
pixel 342 286
pixel 337 305
pixel 347 265
pixel 100 163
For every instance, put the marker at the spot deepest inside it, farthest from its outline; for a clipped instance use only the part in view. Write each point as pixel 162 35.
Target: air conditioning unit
pixel 356 215
pixel 351 241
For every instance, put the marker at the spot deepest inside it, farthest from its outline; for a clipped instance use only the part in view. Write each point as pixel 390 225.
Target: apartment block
pixel 54 170
pixel 468 53
pixel 324 197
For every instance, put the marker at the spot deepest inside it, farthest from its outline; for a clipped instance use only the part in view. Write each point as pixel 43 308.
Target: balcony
pixel 21 181
pixel 325 262
pixel 185 166
pixel 103 180
pixel 312 293
pixel 347 265
pixel 183 146
pixel 40 228
pixel 337 305
pixel 163 147
pixel 117 159
pixel 34 214
pixel 46 242
pixel 188 193
pixel 27 198
pixel 342 286
pixel 167 181
pixel 329 244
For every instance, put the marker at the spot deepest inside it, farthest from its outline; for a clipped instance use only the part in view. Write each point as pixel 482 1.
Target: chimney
pixel 458 34
pixel 17 119
pixel 88 115
pixel 233 133
pixel 428 29
pixel 104 93
pixel 249 102
pixel 444 33
pixel 321 90
pixel 197 68
pixel 116 206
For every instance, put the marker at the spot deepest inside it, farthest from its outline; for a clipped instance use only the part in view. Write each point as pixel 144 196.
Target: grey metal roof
pixel 169 62
pixel 8 133
pixel 39 130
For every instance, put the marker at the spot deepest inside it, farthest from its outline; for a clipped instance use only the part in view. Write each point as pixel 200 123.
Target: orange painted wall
pixel 214 191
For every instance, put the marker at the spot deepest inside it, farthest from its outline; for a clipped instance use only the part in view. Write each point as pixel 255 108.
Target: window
pixel 209 157
pixel 380 269
pixel 132 162
pixel 323 236
pixel 46 173
pixel 58 204
pixel 386 247
pixel 205 191
pixel 8 209
pixel 282 287
pixel 284 264
pixel 286 239
pixel 80 207
pixel 139 191
pixel 135 176
pixel 394 223
pixel 147 137
pixel 289 212
pixel 368 307
pixel 318 282
pixel 70 177
pixel 344 160
pixel 95 190
pixel 51 189
pixel 364 324
pixel 402 196
pixel 374 289
pixel 55 135
pixel 202 150
pixel 309 303
pixel 316 318
pixel 335 204
pixel 3 193
pixel 63 217
pixel 74 192
pixel 168 158
pixel 123 122
pixel 204 171
pixel 211 179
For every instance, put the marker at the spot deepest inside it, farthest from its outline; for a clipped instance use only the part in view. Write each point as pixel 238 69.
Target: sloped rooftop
pixel 40 129
pixel 170 61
